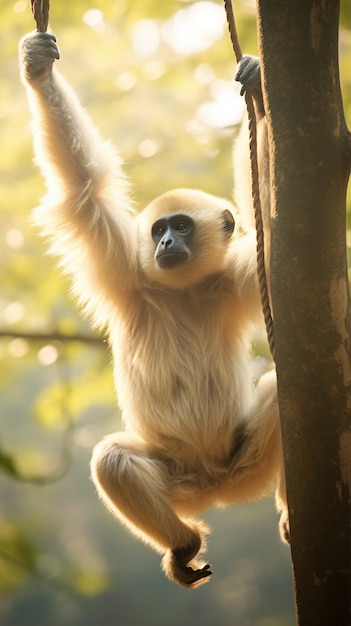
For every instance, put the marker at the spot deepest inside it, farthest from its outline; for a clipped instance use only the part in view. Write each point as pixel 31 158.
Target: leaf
pixel 7 464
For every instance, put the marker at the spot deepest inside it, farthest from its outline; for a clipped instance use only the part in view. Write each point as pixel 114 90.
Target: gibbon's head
pixel 183 236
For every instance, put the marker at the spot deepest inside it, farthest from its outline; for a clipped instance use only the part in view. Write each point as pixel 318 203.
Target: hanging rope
pixel 40 10
pixel 262 278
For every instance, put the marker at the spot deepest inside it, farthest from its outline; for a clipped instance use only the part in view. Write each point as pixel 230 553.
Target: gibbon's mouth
pixel 169 260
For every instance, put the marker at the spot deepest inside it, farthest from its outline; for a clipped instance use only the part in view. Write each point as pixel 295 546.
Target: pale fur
pixel 198 433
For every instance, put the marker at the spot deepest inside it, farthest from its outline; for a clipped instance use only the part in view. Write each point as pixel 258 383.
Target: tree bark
pixel 310 164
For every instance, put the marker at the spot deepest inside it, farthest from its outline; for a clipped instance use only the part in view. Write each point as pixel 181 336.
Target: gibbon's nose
pixel 167 240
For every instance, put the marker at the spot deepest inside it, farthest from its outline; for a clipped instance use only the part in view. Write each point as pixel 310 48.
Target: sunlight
pixel 226 108
pixel 14 312
pixel 145 37
pixel 47 355
pixel 204 74
pixel 95 19
pixel 14 238
pixel 125 81
pixel 20 6
pixel 154 70
pixel 194 28
pixel 148 148
pixel 18 348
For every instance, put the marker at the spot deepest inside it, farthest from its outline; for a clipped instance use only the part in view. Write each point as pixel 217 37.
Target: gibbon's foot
pixel 185 574
pixel 284 528
pixel 175 565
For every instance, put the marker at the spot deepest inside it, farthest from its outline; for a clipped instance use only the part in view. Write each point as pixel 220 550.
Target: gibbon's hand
pixel 248 74
pixel 38 51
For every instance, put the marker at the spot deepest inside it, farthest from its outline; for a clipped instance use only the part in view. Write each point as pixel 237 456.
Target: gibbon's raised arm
pixel 90 209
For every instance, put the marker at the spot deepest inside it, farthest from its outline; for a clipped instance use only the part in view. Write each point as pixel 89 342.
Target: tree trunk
pixel 310 163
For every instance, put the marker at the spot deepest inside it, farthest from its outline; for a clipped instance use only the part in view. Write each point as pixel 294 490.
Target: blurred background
pixel 156 78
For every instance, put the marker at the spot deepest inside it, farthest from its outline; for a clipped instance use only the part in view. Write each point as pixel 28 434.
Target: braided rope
pixel 261 268
pixel 40 10
pixel 262 277
pixel 232 30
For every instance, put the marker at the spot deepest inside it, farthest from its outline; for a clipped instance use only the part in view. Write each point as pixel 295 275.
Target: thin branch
pixel 349 147
pixel 53 336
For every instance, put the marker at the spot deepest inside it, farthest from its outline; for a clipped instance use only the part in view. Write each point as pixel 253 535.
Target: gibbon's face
pixel 183 236
pixel 172 235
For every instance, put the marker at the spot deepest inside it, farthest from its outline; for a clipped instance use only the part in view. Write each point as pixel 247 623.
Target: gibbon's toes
pixel 284 529
pixel 175 565
pixel 198 575
pixel 189 577
pixel 285 533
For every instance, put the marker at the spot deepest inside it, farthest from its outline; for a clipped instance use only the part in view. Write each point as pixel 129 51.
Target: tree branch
pixel 53 336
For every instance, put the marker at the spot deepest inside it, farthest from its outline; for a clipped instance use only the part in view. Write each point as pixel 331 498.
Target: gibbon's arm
pixel 87 212
pixel 242 272
pixel 249 75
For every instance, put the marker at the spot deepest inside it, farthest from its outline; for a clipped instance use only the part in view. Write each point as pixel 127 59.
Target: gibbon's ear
pixel 228 223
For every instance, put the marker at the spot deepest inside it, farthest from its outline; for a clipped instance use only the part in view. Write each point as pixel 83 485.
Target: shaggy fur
pixel 198 433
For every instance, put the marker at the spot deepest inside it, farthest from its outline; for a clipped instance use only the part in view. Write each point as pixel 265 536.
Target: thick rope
pixel 40 10
pixel 262 278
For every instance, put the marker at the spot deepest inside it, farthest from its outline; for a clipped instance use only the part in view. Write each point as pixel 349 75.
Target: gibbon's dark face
pixel 172 235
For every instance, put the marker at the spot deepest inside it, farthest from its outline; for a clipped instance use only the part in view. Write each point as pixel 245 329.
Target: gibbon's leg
pixel 268 447
pixel 133 482
pixel 282 506
pixel 257 462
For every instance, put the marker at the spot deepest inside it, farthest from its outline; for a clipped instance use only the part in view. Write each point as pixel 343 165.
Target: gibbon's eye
pixel 158 230
pixel 181 226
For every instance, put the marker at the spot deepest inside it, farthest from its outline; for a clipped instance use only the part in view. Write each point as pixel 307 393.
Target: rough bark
pixel 310 163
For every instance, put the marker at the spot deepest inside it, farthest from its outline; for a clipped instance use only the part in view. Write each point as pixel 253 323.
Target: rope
pixel 40 10
pixel 232 30
pixel 262 278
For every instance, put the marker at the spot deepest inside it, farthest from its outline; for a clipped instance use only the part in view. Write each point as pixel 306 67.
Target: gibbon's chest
pixel 180 367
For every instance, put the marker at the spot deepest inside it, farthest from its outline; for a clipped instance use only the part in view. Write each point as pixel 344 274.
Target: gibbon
pixel 176 288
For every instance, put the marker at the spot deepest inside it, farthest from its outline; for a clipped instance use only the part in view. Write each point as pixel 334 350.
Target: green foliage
pixel 17 556
pixel 7 464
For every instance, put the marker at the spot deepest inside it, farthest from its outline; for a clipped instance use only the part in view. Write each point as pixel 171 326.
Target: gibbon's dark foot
pixel 185 574
pixel 284 528
pixel 175 565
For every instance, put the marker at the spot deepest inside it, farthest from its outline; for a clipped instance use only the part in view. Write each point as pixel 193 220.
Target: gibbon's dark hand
pixel 38 51
pixel 248 74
